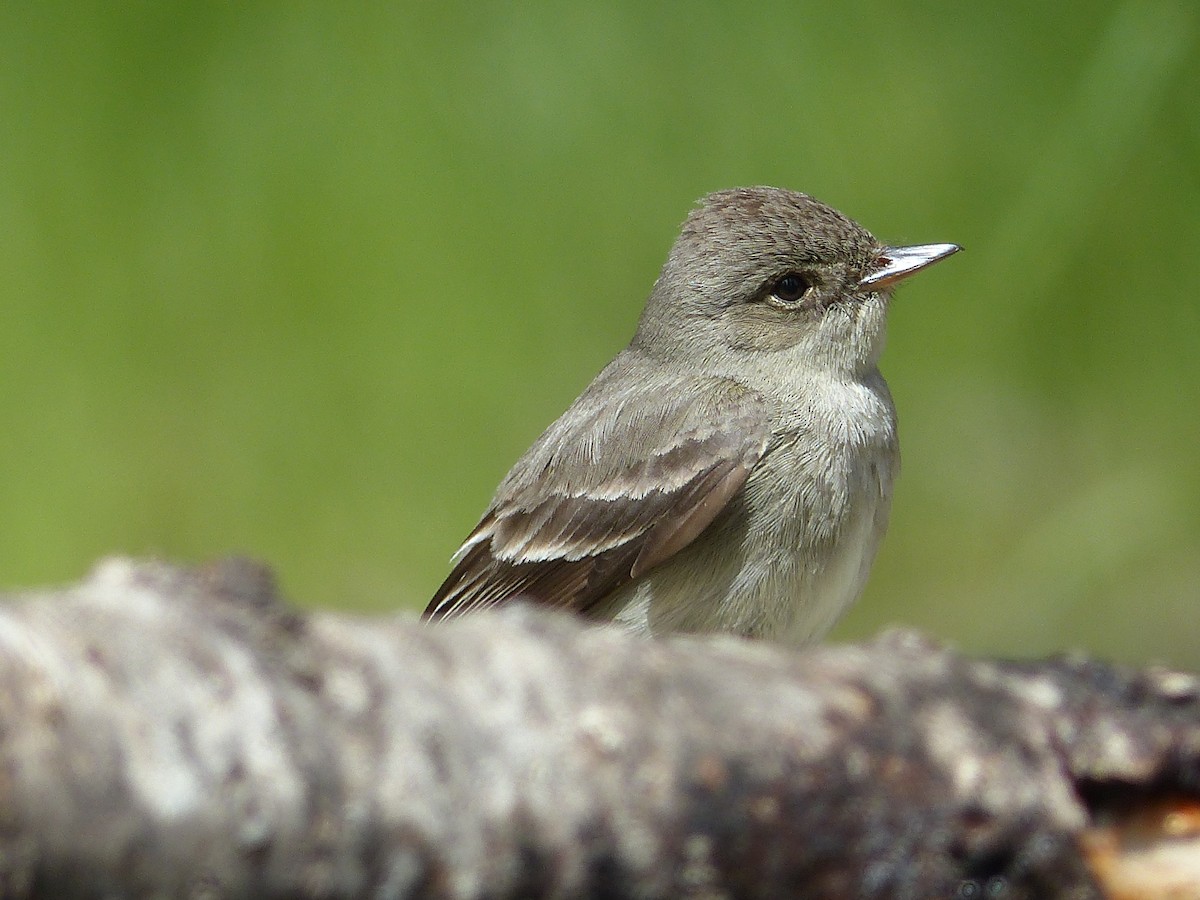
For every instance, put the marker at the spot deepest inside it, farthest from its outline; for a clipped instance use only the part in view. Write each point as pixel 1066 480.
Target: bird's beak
pixel 896 263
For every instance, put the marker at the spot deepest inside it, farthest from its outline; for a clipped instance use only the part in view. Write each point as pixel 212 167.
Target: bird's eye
pixel 791 287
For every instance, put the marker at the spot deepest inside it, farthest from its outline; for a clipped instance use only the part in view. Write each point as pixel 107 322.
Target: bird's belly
pixel 792 554
pixel 821 596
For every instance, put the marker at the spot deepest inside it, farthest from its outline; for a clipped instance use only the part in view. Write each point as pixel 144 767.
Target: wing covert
pixel 622 481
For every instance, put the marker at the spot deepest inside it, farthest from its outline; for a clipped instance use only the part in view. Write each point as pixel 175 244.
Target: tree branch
pixel 185 733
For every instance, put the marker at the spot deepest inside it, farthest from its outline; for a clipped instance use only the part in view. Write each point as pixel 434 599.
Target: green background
pixel 303 281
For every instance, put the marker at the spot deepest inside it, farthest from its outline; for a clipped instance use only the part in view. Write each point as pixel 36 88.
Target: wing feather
pixel 623 481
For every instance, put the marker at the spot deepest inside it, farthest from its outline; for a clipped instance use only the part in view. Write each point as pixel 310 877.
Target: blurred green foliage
pixel 302 281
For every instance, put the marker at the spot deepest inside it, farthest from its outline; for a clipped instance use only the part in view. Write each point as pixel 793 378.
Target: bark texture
pixel 170 732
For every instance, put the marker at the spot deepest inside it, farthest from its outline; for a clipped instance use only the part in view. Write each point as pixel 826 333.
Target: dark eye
pixel 791 287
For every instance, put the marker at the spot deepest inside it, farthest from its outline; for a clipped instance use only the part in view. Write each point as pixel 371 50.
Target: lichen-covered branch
pixel 185 733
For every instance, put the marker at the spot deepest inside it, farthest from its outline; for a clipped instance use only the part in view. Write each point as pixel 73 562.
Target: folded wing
pixel 630 475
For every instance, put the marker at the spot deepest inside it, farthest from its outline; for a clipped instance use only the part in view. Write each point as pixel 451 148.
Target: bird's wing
pixel 631 474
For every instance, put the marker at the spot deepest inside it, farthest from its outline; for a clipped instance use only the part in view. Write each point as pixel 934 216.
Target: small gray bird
pixel 731 470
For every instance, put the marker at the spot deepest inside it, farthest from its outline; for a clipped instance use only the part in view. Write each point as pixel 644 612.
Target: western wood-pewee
pixel 731 470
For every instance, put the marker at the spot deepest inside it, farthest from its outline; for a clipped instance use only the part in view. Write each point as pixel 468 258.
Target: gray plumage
pixel 732 468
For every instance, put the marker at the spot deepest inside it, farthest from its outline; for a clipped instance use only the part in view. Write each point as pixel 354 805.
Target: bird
pixel 731 470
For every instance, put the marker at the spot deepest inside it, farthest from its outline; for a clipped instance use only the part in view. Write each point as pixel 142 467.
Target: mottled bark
pixel 185 733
